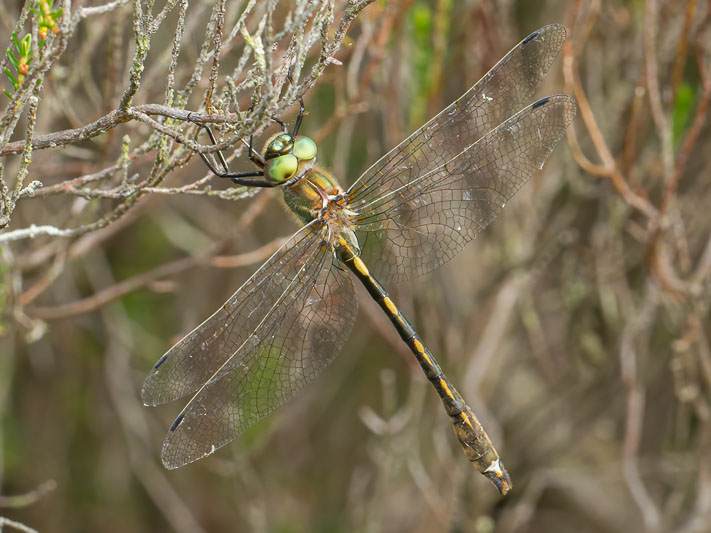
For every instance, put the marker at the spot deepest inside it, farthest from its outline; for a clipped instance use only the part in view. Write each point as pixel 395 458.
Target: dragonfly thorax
pixel 317 195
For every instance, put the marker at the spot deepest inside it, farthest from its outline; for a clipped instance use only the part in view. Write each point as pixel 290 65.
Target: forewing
pixel 194 359
pixel 291 345
pixel 503 91
pixel 412 229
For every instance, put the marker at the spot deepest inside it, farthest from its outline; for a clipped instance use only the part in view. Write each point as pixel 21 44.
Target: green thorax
pixel 305 198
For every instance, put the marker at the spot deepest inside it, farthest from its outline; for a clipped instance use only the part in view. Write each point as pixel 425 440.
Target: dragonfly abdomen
pixel 474 441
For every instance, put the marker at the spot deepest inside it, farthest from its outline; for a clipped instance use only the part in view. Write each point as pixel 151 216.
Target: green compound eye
pixel 304 148
pixel 281 144
pixel 281 168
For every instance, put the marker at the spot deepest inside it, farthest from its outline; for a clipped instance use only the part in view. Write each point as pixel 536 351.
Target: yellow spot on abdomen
pixel 360 266
pixel 421 350
pixel 443 384
pixel 465 417
pixel 391 306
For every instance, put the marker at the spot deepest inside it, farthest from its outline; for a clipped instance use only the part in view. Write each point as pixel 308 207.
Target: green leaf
pixel 15 41
pixel 13 80
pixel 27 44
pixel 15 62
pixel 7 93
pixel 421 18
pixel 10 76
pixel 683 107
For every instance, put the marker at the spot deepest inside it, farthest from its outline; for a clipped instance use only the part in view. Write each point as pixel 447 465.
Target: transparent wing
pixel 503 91
pixel 297 338
pixel 412 229
pixel 194 359
pixel 507 87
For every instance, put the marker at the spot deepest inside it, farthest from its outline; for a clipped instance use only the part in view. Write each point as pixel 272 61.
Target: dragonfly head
pixel 285 154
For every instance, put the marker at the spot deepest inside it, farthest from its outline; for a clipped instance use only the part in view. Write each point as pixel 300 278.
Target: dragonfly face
pixel 310 192
pixel 288 158
pixel 411 211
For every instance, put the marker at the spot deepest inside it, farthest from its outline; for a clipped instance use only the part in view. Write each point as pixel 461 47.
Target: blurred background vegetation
pixel 577 325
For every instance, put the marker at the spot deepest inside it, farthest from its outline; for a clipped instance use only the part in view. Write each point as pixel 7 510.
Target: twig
pixel 16 525
pixel 29 498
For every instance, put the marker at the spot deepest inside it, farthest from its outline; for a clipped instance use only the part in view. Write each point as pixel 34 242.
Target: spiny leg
pixel 236 177
pixel 299 118
pixel 283 125
pixel 254 156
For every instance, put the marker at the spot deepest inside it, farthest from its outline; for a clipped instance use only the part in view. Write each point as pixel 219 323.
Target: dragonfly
pixel 409 213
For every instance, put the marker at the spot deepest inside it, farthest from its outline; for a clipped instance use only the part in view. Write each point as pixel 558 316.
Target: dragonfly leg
pixel 283 125
pixel 240 177
pixel 205 127
pixel 297 125
pixel 254 156
pixel 299 118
